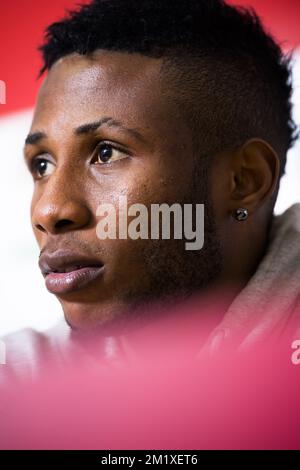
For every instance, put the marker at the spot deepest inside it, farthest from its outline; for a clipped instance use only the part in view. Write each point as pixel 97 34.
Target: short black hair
pixel 221 55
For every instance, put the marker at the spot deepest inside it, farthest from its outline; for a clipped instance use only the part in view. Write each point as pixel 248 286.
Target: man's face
pixel 141 150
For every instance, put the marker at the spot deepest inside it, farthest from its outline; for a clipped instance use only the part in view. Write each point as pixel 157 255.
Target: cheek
pixel 156 181
pixel 137 184
pixel 34 200
pixel 220 192
pixel 37 233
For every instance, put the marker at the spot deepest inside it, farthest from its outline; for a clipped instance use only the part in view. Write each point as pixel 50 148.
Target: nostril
pixel 63 223
pixel 40 227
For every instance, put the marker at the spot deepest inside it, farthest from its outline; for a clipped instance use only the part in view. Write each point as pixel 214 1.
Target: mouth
pixel 65 271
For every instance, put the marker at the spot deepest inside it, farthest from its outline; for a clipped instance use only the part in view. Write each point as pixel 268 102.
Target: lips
pixel 67 271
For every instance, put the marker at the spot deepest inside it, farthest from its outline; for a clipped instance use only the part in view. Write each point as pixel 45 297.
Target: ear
pixel 255 168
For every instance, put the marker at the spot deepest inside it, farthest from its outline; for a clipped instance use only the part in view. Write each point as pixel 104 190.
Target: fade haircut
pixel 229 76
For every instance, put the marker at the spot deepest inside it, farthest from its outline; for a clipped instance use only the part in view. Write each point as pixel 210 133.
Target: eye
pixel 41 168
pixel 107 153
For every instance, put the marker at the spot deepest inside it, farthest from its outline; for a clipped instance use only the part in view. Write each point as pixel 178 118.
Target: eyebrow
pixel 88 128
pixel 34 138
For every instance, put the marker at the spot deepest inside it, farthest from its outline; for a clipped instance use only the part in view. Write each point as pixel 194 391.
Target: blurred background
pixel 24 299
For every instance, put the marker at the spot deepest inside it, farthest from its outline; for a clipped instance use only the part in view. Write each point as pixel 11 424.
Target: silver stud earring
pixel 241 214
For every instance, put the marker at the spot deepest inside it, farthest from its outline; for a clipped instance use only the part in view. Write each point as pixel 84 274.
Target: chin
pixel 93 317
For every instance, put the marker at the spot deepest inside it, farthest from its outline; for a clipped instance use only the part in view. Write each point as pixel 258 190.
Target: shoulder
pixel 24 351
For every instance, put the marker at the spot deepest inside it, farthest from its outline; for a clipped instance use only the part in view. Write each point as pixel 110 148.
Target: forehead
pixel 82 88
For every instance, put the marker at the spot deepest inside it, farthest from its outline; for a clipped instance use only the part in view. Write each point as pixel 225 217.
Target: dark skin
pixel 152 162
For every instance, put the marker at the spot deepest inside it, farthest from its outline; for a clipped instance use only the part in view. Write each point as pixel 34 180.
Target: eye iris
pixel 105 154
pixel 42 167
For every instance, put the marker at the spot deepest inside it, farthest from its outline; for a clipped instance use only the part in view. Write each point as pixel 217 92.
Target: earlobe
pixel 255 170
pixel 241 214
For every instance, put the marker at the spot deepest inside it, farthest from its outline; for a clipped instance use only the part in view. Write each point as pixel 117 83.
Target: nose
pixel 59 207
